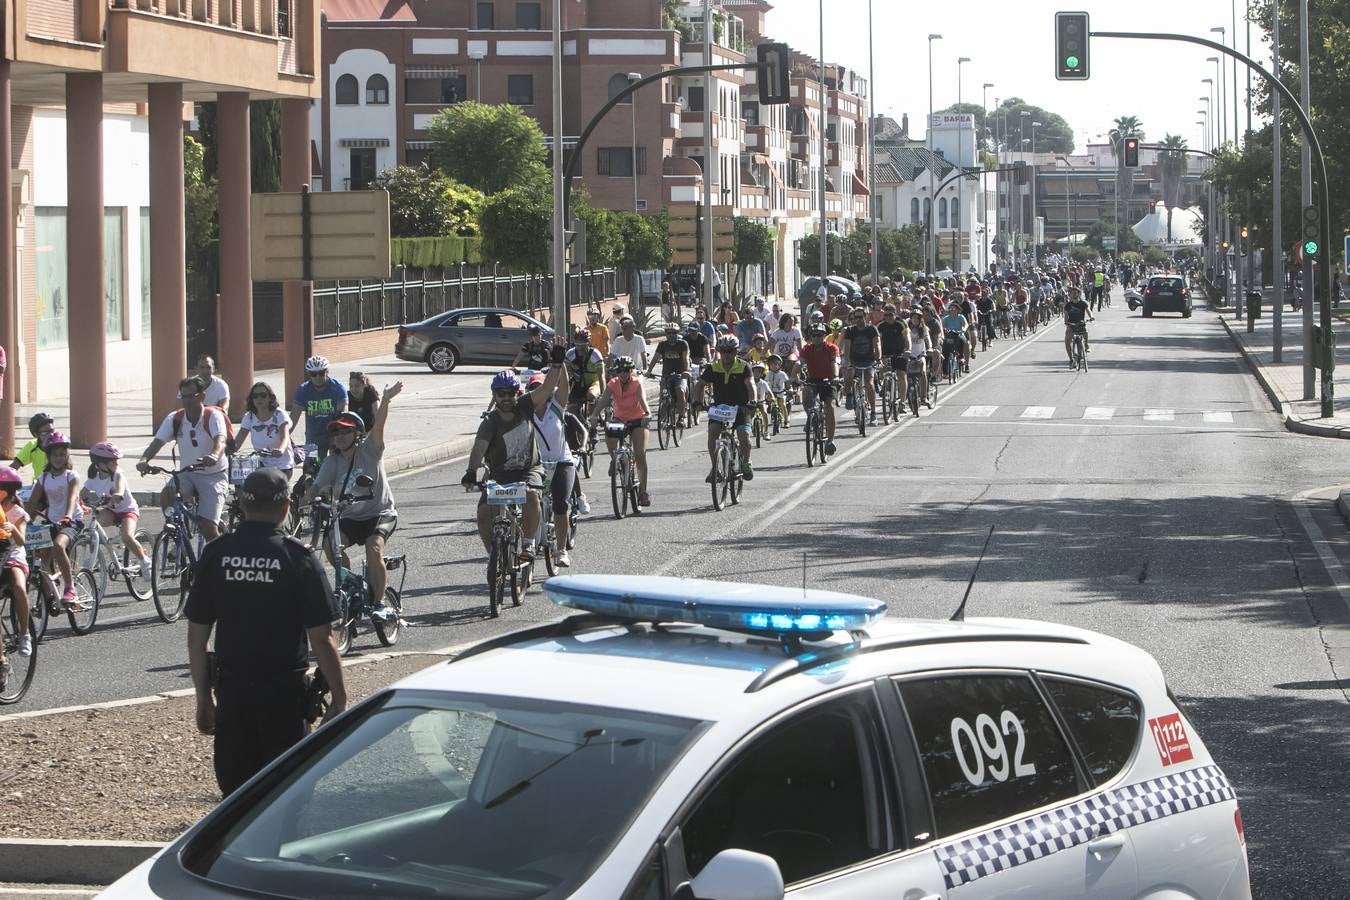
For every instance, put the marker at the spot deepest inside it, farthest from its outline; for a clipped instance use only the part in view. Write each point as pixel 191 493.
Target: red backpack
pixel 230 445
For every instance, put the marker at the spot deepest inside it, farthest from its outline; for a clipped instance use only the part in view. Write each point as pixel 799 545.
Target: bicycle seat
pixel 393 562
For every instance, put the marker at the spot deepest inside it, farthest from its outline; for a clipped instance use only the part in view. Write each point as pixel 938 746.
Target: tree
pixel 516 225
pixel 1126 239
pixel 808 253
pixel 488 147
pixel 604 231
pixel 423 203
pixel 645 245
pixel 1172 168
pixel 1054 136
pixel 900 248
pixel 200 227
pixel 752 245
pixel 264 125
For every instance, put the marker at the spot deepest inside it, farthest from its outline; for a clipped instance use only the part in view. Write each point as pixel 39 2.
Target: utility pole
pixel 560 319
pixel 872 150
pixel 1276 238
pixel 824 150
pixel 1309 289
pixel 709 83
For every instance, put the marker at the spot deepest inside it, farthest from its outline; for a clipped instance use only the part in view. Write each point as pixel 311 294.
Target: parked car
pixel 1167 293
pixel 475 336
pixel 681 738
pixel 850 290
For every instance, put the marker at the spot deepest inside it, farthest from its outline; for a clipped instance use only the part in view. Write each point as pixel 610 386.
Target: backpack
pixel 230 444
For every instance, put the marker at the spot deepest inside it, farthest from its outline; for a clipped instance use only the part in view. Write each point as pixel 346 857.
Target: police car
pixel 699 740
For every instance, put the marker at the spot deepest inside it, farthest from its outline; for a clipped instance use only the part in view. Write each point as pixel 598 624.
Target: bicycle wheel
pixel 664 428
pixel 859 409
pixel 618 497
pixel 632 489
pixel 86 553
pixel 497 576
pixel 734 482
pixel 169 575
pixel 22 668
pixel 757 428
pixel 39 602
pixel 587 457
pixel 83 611
pixel 810 435
pixel 719 482
pixel 389 624
pixel 522 576
pixel 886 388
pixel 139 586
pixel 345 632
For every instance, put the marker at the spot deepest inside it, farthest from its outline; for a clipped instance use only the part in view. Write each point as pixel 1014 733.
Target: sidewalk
pixel 1283 381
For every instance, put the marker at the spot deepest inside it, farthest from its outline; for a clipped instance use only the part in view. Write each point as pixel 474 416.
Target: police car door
pixel 1013 815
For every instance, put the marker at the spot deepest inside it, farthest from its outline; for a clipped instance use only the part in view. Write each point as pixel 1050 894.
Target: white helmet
pixel 316 364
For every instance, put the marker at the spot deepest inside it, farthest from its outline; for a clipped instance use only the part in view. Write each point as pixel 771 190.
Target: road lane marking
pixel 1218 417
pixel 1038 412
pixel 1099 412
pixel 981 412
pixel 1158 415
pixel 1335 571
pixel 1099 426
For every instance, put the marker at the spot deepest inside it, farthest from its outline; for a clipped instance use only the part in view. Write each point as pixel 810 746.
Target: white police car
pixel 692 739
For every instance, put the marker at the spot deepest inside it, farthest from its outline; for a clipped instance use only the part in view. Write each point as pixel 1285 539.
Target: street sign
pixel 347 235
pixel 685 228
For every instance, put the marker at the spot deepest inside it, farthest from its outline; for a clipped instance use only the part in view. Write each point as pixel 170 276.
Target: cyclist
pixel 763 396
pixel 371 518
pixel 505 443
pixel 57 492
pixel 534 355
pixel 729 378
pixel 200 434
pixel 625 395
pixel 1077 313
pixel 550 437
pixel 759 349
pixel 628 343
pixel 920 348
pixel 268 427
pixel 954 325
pixel 862 349
pixel 984 311
pixel 14 564
pixel 585 372
pixel 786 341
pixel 107 482
pixel 777 381
pixel 1098 287
pixel 320 398
pixel 40 426
pixel 894 342
pixel 673 353
pixel 836 332
pixel 598 331
pixel 820 360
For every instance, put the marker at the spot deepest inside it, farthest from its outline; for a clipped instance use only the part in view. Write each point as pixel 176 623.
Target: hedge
pixel 435 252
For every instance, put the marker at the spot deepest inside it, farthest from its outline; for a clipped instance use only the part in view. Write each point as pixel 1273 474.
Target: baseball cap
pixel 265 485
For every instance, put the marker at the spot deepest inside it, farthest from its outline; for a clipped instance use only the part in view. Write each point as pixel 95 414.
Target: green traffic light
pixel 1071 62
pixel 1311 248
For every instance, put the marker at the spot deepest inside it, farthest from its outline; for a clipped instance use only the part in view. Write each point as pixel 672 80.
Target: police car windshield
pixel 430 794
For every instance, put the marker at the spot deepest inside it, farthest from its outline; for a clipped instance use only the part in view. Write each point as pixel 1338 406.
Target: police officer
pixel 265 594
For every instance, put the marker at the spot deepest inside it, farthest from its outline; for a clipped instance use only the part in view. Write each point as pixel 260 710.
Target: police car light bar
pixel 760 608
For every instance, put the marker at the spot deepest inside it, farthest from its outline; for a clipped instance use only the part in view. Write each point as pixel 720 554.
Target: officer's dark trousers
pixel 256 721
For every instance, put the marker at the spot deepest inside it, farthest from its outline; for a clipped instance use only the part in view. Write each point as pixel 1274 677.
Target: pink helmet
pixel 105 450
pixel 56 439
pixel 10 479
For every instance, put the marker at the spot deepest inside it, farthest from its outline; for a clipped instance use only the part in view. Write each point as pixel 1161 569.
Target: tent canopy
pixel 1152 229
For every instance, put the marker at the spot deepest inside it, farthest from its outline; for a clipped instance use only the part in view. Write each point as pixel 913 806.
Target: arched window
pixel 927 210
pixel 942 212
pixel 377 90
pixel 914 211
pixel 956 214
pixel 345 93
pixel 617 82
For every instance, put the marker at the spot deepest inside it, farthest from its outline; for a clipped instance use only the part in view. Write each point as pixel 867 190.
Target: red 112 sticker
pixel 1169 735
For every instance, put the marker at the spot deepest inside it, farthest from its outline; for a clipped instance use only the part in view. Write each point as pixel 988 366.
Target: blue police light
pixel 715 604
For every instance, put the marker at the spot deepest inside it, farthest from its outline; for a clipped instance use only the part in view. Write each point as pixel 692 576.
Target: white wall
pixel 126 185
pixel 361 120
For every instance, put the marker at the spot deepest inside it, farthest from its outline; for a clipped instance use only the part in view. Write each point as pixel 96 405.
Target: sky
pixel 1011 44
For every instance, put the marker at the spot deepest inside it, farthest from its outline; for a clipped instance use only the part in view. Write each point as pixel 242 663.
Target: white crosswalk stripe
pixel 1099 412
pixel 1038 412
pixel 979 412
pixel 1158 415
pixel 1219 417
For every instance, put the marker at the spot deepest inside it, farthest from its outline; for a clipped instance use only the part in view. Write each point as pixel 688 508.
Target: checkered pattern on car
pixel 1068 826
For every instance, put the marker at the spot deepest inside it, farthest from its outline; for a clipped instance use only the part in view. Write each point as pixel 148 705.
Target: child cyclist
pixel 107 482
pixel 13 564
pixel 777 380
pixel 57 492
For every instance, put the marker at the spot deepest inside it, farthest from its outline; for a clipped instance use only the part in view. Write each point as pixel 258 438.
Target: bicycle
pixel 669 425
pixel 173 559
pixel 726 483
pixel 586 456
pixel 914 370
pixel 93 550
pixel 300 514
pixel 814 427
pixel 696 398
pixel 82 612
pixel 22 668
pixel 776 420
pixel 759 423
pixel 858 394
pixel 504 565
pixel 1078 348
pixel 546 539
pixel 888 394
pixel 951 360
pixel 623 479
pixel 351 592
pixel 1004 324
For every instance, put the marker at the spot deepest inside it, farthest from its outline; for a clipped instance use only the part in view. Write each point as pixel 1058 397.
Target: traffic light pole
pixel 1321 195
pixel 928 220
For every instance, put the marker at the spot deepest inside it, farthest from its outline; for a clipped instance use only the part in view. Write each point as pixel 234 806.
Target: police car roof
pixel 714 675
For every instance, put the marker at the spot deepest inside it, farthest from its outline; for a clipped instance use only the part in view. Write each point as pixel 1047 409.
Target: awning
pixel 773 170
pixel 430 71
pixel 315 166
pixel 858 186
pixel 363 142
pixel 759 159
pixel 419 145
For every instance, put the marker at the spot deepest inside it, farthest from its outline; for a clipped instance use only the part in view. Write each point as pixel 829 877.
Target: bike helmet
pixel 38 420
pixel 815 331
pixel 774 357
pixel 57 439
pixel 757 367
pixel 835 324
pixel 624 364
pixel 728 342
pixel 316 364
pixel 581 335
pixel 672 328
pixel 10 480
pixel 347 420
pixel 505 380
pixel 105 450
pixel 535 380
pixel 817 316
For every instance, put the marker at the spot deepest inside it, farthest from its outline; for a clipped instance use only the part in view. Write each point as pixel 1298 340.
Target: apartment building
pixel 92 267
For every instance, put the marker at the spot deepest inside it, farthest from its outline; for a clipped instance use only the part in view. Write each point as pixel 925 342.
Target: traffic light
pixel 774 72
pixel 1131 153
pixel 1312 230
pixel 1243 232
pixel 1223 245
pixel 1071 46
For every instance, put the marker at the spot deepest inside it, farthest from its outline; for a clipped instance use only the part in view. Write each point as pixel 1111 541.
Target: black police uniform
pixel 261 590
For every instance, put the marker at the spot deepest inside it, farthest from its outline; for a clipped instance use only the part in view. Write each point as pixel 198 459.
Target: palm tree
pixel 1121 128
pixel 1172 168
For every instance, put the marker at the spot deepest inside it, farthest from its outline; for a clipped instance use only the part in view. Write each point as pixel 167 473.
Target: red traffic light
pixel 1243 232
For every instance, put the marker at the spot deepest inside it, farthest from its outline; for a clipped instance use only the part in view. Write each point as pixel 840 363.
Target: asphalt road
pixel 1153 498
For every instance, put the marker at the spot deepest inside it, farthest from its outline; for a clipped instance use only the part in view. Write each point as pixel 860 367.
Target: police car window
pixel 1104 723
pixel 989 747
pixel 811 793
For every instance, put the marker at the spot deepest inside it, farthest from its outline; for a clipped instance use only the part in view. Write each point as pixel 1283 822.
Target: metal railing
pixel 347 307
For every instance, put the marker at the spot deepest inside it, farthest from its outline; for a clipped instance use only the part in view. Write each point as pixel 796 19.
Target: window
pixel 989 747
pixel 693 98
pixel 284 18
pixel 345 92
pixel 436 91
pixel 811 793
pixel 362 168
pixel 487 17
pixel 114 285
pixel 750 113
pixel 914 211
pixel 520 89
pixel 528 16
pixel 145 271
pixel 53 295
pixel 617 162
pixel 377 90
pixel 617 82
pixel 942 212
pixel 1104 723
pixel 956 214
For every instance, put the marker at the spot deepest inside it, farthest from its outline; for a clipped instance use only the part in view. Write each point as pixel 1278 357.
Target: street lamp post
pixel 872 152
pixel 559 212
pixel 1276 239
pixel 1034 126
pixel 984 193
pixel 931 257
pixel 824 150
pixel 633 78
pixel 960 182
pixel 477 57
pixel 1024 117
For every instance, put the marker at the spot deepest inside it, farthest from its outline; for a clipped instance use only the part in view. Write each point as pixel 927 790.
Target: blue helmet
pixel 506 380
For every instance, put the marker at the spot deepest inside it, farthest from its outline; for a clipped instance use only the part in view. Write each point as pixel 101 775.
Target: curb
pixel 1302 426
pixel 1260 372
pixel 71 862
pixel 1343 507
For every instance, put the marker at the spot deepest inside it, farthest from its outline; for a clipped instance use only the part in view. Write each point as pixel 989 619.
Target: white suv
pixel 690 739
